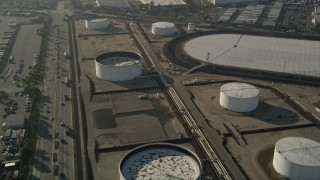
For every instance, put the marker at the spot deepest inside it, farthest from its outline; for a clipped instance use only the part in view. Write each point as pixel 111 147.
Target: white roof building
pixel 317 14
pixel 294 56
pixel 164 2
pixel 228 2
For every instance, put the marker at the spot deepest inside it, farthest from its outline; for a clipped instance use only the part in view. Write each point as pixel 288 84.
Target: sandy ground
pixel 115 113
pixel 271 112
pixel 247 156
pixel 255 158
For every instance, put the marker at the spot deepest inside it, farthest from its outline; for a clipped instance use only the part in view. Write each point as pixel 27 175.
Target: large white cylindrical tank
pixel 96 23
pixel 118 65
pixel 297 158
pixel 239 97
pixel 163 28
pixel 191 27
pixel 160 161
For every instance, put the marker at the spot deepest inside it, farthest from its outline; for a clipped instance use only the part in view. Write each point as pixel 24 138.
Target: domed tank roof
pixel 299 150
pixel 239 90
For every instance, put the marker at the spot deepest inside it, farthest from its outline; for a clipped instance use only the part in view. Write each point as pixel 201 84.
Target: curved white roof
pixel 302 151
pixel 163 25
pixel 239 90
pixel 160 163
pixel 119 61
pixel 258 52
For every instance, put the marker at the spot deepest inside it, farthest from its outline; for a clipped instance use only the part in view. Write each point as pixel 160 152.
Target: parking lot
pixel 21 58
pixel 298 16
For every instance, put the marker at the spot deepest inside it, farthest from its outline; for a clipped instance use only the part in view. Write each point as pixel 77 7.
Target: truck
pixel 65 55
pixel 66 80
pixel 11 59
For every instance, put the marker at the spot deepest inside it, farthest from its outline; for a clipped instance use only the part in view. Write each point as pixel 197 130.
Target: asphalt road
pixel 55 104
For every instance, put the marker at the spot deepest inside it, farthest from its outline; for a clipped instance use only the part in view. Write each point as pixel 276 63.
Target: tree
pixel 152 7
pixel 142 7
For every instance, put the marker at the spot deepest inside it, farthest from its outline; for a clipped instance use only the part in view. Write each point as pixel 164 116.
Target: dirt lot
pixel 256 157
pixel 111 39
pixel 149 120
pixel 271 112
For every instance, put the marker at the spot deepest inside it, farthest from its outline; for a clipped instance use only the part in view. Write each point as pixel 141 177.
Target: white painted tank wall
pixel 96 24
pixel 163 29
pixel 293 170
pixel 239 103
pixel 122 73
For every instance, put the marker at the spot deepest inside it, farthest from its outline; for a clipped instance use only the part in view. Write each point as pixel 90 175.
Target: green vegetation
pixel 56 170
pixel 316 28
pixel 55 157
pixel 31 84
pixel 56 145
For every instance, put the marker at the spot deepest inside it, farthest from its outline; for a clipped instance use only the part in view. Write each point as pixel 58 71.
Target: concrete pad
pixel 103 119
pixel 140 128
pixel 129 102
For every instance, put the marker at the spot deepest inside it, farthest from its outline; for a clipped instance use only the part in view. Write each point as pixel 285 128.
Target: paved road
pixel 55 104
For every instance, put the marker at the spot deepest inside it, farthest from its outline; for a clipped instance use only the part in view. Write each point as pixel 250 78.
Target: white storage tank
pixel 118 65
pixel 96 23
pixel 160 161
pixel 239 97
pixel 163 28
pixel 297 158
pixel 191 27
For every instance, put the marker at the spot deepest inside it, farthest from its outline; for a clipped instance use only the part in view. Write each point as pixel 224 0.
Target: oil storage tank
pixel 160 161
pixel 239 97
pixel 96 23
pixel 297 158
pixel 118 65
pixel 163 28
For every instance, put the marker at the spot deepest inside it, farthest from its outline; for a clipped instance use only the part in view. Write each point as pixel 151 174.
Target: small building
pixel 15 122
pixel 233 2
pixel 316 15
pixel 173 3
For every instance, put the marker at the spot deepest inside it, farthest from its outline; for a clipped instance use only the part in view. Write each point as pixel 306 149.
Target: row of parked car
pixel 35 60
pixel 11 109
pixel 14 13
pixel 28 106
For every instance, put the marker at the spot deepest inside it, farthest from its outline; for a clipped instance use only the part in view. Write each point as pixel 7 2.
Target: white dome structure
pixel 297 158
pixel 163 28
pixel 191 27
pixel 160 161
pixel 239 97
pixel 96 23
pixel 118 65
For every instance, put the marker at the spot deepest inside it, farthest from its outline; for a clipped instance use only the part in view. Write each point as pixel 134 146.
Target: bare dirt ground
pixel 257 165
pixel 255 158
pixel 119 119
pixel 271 112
